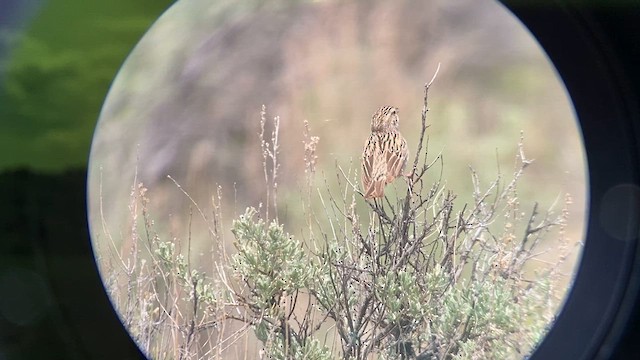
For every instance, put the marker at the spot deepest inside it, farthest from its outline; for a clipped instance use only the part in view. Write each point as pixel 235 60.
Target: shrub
pixel 415 275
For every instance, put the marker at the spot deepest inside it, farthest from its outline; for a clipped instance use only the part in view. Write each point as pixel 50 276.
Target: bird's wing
pixel 367 163
pixel 374 168
pixel 396 155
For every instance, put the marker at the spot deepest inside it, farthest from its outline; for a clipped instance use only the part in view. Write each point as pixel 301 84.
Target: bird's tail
pixel 376 188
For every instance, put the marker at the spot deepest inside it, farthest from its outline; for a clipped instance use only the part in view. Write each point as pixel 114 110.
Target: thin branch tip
pixel 435 74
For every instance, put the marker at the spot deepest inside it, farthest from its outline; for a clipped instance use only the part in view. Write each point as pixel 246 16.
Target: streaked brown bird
pixel 385 153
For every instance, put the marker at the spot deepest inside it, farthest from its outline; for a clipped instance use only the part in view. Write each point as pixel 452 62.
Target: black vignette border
pixel 595 46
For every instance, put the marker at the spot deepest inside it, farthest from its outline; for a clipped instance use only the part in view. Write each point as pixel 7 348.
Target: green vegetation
pixel 58 76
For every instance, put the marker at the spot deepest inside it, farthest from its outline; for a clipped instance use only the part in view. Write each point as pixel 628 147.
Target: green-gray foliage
pixel 273 266
pixel 270 261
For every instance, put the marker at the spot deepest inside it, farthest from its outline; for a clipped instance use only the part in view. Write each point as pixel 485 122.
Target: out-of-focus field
pixel 187 104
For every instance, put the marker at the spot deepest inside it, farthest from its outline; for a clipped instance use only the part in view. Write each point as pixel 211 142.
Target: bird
pixel 385 153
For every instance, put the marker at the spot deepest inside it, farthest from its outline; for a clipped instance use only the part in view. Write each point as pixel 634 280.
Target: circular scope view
pixel 329 179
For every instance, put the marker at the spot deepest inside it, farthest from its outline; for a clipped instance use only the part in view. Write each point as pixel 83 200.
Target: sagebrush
pixel 417 274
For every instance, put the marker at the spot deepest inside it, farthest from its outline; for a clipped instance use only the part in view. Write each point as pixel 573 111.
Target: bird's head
pixel 385 119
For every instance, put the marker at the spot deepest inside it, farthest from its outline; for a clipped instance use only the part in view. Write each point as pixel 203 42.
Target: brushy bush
pixel 415 275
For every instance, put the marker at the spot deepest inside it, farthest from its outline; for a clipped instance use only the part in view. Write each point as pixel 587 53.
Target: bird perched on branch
pixel 385 153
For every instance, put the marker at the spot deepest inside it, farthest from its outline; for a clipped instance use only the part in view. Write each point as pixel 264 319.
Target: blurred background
pixel 187 102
